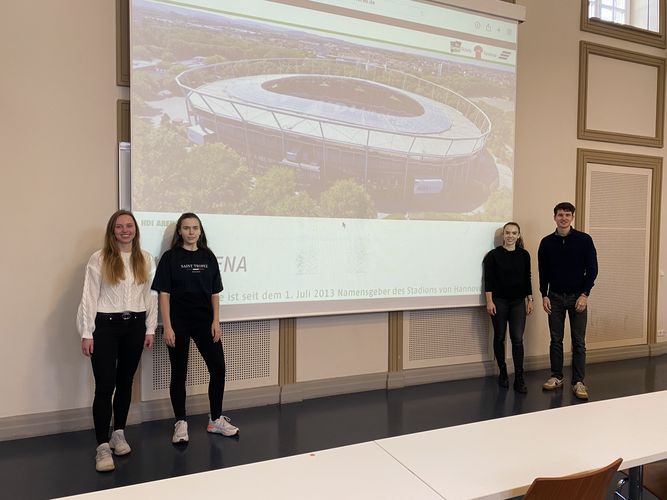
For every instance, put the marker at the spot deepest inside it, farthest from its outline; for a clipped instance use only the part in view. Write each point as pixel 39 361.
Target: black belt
pixel 122 316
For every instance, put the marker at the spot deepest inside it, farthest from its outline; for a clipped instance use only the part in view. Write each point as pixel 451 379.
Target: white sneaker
pixel 180 432
pixel 118 443
pixel 103 458
pixel 222 426
pixel 580 391
pixel 552 384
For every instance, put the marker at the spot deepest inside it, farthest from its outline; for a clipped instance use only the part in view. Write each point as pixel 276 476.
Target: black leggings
pixel 512 312
pixel 117 350
pixel 215 362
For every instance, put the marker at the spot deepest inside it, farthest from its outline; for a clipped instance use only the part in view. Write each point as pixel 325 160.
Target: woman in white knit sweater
pixel 116 319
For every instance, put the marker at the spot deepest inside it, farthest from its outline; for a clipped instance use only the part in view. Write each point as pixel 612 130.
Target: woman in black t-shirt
pixel 188 280
pixel 509 299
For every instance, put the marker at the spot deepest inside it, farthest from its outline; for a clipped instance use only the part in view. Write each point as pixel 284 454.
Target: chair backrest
pixel 591 485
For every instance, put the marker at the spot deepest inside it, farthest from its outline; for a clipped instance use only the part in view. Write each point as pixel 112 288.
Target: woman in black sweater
pixel 509 300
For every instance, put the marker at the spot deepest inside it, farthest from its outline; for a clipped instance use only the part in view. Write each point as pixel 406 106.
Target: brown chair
pixel 591 485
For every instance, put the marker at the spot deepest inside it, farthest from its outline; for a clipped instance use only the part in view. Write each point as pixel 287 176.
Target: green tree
pixel 347 199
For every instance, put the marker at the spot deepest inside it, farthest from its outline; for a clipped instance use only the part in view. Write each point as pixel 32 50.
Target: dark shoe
pixel 503 378
pixel 520 385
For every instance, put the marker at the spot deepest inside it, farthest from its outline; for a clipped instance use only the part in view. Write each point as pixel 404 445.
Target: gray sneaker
pixel 222 425
pixel 118 443
pixel 103 459
pixel 580 391
pixel 552 384
pixel 180 432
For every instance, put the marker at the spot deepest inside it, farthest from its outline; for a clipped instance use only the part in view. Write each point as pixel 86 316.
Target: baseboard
pixel 293 393
pixel 418 376
pixel 658 349
pixel 78 419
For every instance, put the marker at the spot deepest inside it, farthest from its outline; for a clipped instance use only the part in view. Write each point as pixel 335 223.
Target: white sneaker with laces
pixel 222 426
pixel 103 459
pixel 180 432
pixel 118 443
pixel 552 384
pixel 580 391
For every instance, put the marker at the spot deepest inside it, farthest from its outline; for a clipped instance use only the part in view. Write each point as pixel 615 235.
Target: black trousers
pixel 215 363
pixel 512 312
pixel 117 349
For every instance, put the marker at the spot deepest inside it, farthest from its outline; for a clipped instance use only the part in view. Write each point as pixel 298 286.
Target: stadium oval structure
pixel 337 118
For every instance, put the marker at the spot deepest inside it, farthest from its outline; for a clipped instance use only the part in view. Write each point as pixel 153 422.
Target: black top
pixel 190 278
pixel 507 273
pixel 567 264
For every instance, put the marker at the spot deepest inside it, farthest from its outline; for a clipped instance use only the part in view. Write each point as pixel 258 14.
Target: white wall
pixel 547 99
pixel 58 143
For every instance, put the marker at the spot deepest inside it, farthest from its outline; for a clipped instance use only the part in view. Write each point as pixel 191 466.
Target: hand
pixel 581 303
pixel 529 307
pixel 546 305
pixel 148 341
pixel 491 308
pixel 169 337
pixel 216 331
pixel 87 347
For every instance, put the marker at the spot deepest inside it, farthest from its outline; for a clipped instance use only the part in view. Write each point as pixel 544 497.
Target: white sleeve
pixel 85 317
pixel 150 298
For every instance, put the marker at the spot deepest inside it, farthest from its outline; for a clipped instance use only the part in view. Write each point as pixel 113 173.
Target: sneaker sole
pixel 581 396
pixel 106 469
pixel 222 433
pixel 552 388
pixel 120 453
pixel 180 441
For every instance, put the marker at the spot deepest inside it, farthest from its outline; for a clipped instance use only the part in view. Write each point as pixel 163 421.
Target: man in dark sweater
pixel 568 266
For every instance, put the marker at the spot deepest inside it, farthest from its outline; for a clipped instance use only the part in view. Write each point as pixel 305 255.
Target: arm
pixel 542 266
pixel 490 306
pixel 591 272
pixel 168 334
pixel 528 285
pixel 489 271
pixel 216 331
pixel 150 301
pixel 85 317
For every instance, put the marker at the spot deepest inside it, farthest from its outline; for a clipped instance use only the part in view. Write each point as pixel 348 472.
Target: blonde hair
pixel 113 270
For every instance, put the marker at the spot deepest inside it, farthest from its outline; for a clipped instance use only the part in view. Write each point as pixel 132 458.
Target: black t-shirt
pixel 190 278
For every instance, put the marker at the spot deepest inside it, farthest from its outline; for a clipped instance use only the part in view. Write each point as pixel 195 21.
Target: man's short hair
pixel 565 206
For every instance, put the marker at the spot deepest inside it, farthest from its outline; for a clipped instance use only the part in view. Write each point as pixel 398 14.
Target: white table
pixel 499 458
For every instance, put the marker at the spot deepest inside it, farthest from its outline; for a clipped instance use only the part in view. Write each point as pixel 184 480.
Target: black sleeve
pixel 489 265
pixel 543 266
pixel 162 280
pixel 591 266
pixel 216 279
pixel 528 276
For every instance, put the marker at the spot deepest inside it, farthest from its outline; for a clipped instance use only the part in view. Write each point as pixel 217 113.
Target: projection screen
pixel 344 155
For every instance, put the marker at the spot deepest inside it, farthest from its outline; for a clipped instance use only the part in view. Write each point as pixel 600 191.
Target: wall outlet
pixel 661 335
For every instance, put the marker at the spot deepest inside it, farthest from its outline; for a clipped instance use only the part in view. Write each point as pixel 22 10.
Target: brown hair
pixel 565 206
pixel 177 239
pixel 113 270
pixel 519 241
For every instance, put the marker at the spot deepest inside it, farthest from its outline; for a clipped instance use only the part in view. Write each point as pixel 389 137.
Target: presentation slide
pixel 344 155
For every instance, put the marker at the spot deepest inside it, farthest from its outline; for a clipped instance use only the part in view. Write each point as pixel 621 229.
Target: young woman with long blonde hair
pixel 116 319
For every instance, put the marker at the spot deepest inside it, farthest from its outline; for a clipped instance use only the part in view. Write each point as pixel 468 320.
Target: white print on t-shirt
pixel 195 268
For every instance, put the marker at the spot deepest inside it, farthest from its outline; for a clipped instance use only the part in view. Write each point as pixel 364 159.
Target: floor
pixel 60 465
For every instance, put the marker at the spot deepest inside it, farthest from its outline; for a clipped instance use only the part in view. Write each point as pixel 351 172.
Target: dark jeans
pixel 512 311
pixel 117 349
pixel 215 362
pixel 562 303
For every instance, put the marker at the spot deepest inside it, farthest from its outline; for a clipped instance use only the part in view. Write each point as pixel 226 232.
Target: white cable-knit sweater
pixel 99 296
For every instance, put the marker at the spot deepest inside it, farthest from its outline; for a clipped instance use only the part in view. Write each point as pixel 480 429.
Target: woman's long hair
pixel 519 241
pixel 113 270
pixel 177 239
